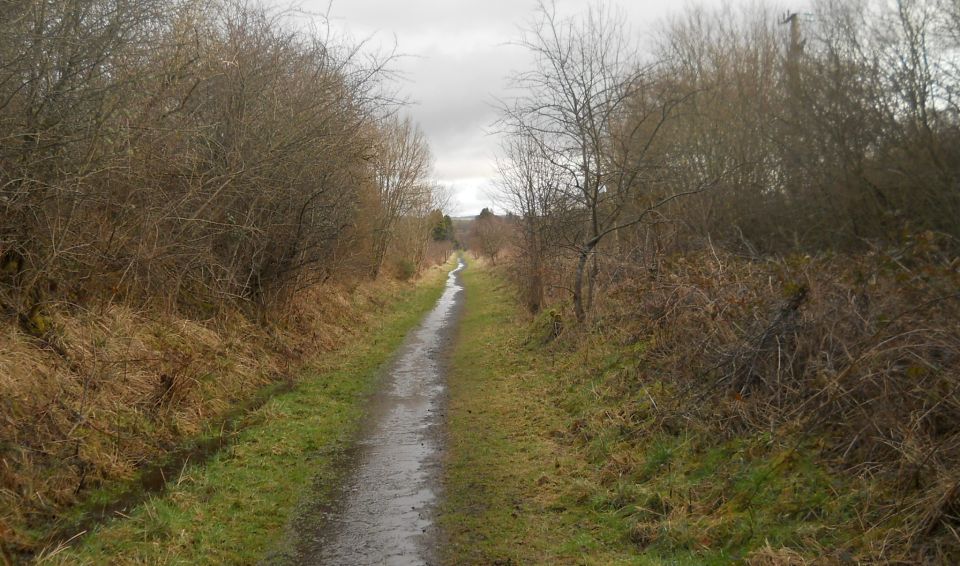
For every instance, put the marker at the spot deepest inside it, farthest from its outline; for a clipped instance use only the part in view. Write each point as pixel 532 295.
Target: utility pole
pixel 794 51
pixel 793 19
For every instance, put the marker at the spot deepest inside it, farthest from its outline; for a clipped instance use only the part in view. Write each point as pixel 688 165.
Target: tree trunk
pixel 592 281
pixel 535 282
pixel 578 307
pixel 380 244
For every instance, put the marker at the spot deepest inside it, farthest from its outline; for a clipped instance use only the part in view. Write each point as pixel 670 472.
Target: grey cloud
pixel 459 62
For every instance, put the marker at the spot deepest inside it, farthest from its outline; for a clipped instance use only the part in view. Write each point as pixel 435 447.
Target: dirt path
pixel 386 510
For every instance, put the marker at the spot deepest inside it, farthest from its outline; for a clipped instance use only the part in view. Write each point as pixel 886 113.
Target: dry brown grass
pixel 125 386
pixel 777 557
pixel 857 355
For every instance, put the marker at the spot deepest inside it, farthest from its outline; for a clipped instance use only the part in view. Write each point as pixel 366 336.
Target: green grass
pixel 556 457
pixel 509 476
pixel 236 507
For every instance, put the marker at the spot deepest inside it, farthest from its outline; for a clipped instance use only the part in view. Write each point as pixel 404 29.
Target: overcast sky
pixel 459 61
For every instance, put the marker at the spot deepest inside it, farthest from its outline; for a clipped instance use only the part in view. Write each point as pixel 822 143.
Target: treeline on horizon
pixel 191 153
pixel 756 217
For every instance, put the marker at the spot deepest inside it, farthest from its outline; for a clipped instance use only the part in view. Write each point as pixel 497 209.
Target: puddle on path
pixel 385 513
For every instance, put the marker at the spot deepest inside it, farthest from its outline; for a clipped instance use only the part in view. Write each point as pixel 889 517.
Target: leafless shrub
pixel 189 153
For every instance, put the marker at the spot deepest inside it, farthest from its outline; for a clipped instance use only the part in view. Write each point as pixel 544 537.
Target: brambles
pixel 820 365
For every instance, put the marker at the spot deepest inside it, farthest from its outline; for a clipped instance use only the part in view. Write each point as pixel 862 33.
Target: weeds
pixel 803 368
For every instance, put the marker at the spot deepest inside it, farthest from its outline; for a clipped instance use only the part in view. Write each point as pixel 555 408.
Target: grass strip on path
pixel 235 508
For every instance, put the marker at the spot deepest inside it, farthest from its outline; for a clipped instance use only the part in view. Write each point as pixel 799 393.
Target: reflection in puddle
pixel 387 507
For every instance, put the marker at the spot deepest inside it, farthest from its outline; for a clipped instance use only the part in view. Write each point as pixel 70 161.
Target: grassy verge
pixel 235 507
pixel 554 460
pixel 508 467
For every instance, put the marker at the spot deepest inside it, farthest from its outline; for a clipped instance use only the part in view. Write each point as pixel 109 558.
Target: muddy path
pixel 385 510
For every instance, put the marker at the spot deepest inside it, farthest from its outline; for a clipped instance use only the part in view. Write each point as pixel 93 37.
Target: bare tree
pixel 199 151
pixel 587 79
pixel 490 234
pixel 401 167
pixel 531 187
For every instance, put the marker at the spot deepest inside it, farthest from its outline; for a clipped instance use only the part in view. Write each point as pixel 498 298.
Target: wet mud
pixel 385 511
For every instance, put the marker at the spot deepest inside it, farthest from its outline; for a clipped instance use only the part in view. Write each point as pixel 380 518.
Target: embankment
pixel 80 428
pixel 728 410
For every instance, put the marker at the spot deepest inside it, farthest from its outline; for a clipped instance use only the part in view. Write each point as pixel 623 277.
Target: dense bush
pixel 191 153
pixel 763 134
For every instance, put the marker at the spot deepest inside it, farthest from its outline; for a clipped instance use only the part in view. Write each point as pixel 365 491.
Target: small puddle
pixel 385 513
